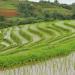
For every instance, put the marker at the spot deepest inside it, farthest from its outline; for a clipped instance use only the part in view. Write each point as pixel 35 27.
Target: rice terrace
pixel 43 46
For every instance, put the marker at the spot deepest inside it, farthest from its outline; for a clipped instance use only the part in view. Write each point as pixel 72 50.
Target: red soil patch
pixel 8 12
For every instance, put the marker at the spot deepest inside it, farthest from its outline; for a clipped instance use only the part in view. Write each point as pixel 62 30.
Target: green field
pixel 7 4
pixel 26 44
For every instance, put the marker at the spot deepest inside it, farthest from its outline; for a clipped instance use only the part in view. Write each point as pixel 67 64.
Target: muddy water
pixel 57 66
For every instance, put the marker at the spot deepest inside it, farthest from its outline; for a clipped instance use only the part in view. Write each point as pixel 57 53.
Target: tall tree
pixel 73 8
pixel 56 2
pixel 2 18
pixel 26 9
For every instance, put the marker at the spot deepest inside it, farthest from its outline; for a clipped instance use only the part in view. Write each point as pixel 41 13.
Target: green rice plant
pixel 60 31
pixel 41 41
pixel 15 37
pixel 70 25
pixel 2 47
pixel 35 31
pixel 55 41
pixel 8 41
pixel 44 43
pixel 64 29
pixel 25 35
pixel 45 30
pixel 37 55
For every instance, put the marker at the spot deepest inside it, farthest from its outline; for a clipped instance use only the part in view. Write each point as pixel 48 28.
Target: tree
pixel 56 2
pixel 26 9
pixel 2 18
pixel 73 8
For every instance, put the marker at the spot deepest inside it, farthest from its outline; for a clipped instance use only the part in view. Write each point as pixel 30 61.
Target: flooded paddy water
pixel 56 66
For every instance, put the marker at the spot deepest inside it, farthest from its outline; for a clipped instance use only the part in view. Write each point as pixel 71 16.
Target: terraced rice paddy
pixel 29 44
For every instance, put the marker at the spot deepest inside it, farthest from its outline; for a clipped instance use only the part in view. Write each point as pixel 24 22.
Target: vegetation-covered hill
pixel 25 12
pixel 39 8
pixel 44 9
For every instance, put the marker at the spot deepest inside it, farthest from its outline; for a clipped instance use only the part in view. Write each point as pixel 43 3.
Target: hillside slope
pixel 39 8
